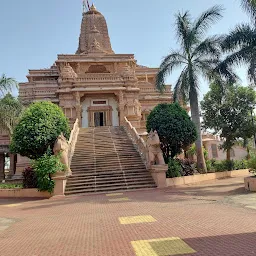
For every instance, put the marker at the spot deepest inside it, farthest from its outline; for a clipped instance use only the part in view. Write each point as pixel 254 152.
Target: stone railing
pixel 25 93
pixel 99 77
pixel 137 140
pixel 153 90
pixel 72 140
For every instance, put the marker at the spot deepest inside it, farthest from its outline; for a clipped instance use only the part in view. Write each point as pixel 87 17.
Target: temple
pixel 96 85
pixel 100 92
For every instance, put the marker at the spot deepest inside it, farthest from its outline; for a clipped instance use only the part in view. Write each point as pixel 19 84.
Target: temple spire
pixel 94 32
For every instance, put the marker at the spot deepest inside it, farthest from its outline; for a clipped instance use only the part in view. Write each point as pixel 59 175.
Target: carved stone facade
pixel 95 74
pixel 96 85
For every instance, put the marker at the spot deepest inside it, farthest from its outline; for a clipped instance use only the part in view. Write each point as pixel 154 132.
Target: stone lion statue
pixel 155 154
pixel 61 147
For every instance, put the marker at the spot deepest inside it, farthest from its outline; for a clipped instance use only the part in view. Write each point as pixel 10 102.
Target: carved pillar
pixel 90 117
pixel 109 117
pixel 121 108
pixel 78 108
pixel 22 163
pixel 2 160
pixel 12 166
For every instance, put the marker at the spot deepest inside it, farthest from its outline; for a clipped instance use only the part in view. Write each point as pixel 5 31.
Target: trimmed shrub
pixel 174 169
pixel 29 178
pixel 9 186
pixel 240 164
pixel 226 165
pixel 209 165
pixel 39 126
pixel 45 167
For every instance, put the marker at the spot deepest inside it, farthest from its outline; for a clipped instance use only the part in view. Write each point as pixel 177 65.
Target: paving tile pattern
pixel 203 219
pixel 136 219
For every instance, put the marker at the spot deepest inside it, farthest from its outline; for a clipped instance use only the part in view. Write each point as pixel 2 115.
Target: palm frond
pixel 181 87
pixel 241 36
pixel 238 57
pixel 170 62
pixel 225 72
pixel 209 47
pixel 206 20
pixel 251 73
pixel 183 28
pixel 250 7
pixel 206 67
pixel 7 84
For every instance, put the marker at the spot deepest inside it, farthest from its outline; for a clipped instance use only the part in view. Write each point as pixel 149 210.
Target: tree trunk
pixel 195 115
pixel 228 154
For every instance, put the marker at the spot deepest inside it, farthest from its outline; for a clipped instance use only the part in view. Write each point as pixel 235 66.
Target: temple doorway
pixel 100 111
pixel 99 119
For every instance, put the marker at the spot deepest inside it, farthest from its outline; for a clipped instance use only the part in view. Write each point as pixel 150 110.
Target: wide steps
pixel 108 189
pixel 104 160
pixel 108 174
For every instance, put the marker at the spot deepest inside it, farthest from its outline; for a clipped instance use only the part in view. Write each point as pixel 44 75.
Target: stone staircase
pixel 105 160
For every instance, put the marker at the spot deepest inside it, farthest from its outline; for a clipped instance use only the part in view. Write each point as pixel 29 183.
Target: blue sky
pixel 34 32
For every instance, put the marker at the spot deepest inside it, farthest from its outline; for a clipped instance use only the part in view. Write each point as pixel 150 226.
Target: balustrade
pixel 72 140
pixel 99 77
pixel 137 140
pixel 154 90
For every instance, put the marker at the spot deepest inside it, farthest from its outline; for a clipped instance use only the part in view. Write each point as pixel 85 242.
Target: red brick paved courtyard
pixel 216 218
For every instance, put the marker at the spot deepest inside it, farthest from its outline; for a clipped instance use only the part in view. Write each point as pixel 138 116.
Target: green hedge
pixel 225 165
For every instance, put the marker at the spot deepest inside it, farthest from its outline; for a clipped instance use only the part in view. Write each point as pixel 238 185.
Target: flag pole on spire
pixel 88 5
pixel 84 6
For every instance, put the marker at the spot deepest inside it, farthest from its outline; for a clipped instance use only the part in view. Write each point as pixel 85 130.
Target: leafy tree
pixel 175 129
pixel 240 44
pixel 40 125
pixel 197 56
pixel 229 113
pixel 10 111
pixel 7 84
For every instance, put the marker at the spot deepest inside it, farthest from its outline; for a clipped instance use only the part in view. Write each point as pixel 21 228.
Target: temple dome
pixel 94 29
pixel 68 72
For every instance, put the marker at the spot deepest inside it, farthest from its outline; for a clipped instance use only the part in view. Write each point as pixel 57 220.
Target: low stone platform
pixel 212 218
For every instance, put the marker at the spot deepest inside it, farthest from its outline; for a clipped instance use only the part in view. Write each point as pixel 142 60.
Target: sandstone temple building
pixel 95 85
pixel 100 92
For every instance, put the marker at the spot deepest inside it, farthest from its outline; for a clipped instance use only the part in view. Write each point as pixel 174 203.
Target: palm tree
pixel 7 84
pixel 240 44
pixel 198 56
pixel 250 7
pixel 10 112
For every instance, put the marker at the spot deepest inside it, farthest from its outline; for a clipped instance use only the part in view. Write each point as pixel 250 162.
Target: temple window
pixel 99 102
